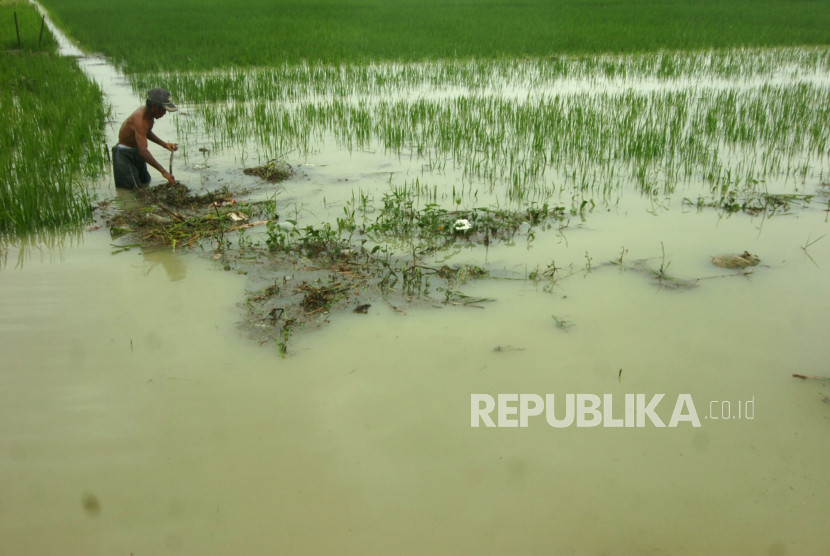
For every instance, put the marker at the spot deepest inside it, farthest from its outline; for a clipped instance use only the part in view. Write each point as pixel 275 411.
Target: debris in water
pixel 151 218
pixel 461 225
pixel 174 216
pixel 321 298
pixel 273 171
pixel 743 260
pixel 91 504
pixel 507 348
pixel 810 377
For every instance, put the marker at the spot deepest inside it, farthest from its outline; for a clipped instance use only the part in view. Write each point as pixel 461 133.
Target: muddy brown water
pixel 136 417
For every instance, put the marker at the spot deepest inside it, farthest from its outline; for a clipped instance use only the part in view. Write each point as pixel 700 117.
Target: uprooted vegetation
pixel 172 215
pixel 273 171
pixel 299 275
pixel 753 202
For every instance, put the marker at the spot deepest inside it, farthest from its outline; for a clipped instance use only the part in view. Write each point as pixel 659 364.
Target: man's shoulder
pixel 138 121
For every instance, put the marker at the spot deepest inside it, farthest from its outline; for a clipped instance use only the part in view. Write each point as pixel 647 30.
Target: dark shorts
pixel 128 168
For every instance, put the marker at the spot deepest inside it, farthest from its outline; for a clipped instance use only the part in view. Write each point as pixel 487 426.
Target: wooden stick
pixel 16 28
pixel 809 377
pixel 246 226
pixel 171 213
pixel 42 25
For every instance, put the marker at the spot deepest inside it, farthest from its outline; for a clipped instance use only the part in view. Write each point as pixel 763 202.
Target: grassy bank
pixel 51 134
pixel 205 34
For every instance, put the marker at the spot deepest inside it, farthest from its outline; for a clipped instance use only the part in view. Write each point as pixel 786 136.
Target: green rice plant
pixel 34 36
pixel 209 34
pixel 51 143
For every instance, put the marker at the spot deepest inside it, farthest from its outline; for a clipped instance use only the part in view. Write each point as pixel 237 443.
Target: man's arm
pixel 141 142
pixel 172 147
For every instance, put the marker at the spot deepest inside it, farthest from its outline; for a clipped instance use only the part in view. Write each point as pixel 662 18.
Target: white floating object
pixel 462 225
pixel 237 216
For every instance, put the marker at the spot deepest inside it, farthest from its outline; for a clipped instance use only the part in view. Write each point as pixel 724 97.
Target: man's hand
pixel 172 147
pixel 169 177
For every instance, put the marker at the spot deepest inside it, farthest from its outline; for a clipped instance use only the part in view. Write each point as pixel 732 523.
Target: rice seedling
pixel 562 324
pixel 453 297
pixel 273 171
pixel 809 244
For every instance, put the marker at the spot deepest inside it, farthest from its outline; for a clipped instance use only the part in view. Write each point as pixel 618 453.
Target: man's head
pixel 159 100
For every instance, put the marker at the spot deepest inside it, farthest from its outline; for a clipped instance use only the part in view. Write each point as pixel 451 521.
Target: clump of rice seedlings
pixel 272 171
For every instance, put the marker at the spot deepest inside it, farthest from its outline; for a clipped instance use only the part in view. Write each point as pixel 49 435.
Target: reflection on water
pixel 46 245
pixel 172 263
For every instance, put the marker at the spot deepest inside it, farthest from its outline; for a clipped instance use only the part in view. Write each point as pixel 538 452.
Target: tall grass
pixel 51 140
pixel 205 34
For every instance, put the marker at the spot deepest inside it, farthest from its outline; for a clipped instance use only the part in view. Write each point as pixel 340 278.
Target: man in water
pixel 131 155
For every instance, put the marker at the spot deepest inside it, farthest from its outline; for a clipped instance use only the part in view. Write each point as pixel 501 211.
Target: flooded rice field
pixel 140 415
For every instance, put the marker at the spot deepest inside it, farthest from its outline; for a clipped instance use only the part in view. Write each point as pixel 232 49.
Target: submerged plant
pixel 562 324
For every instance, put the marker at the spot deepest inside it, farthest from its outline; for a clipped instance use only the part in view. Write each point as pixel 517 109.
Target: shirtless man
pixel 131 155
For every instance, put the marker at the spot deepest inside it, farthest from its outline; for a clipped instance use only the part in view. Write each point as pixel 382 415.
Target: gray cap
pixel 162 98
